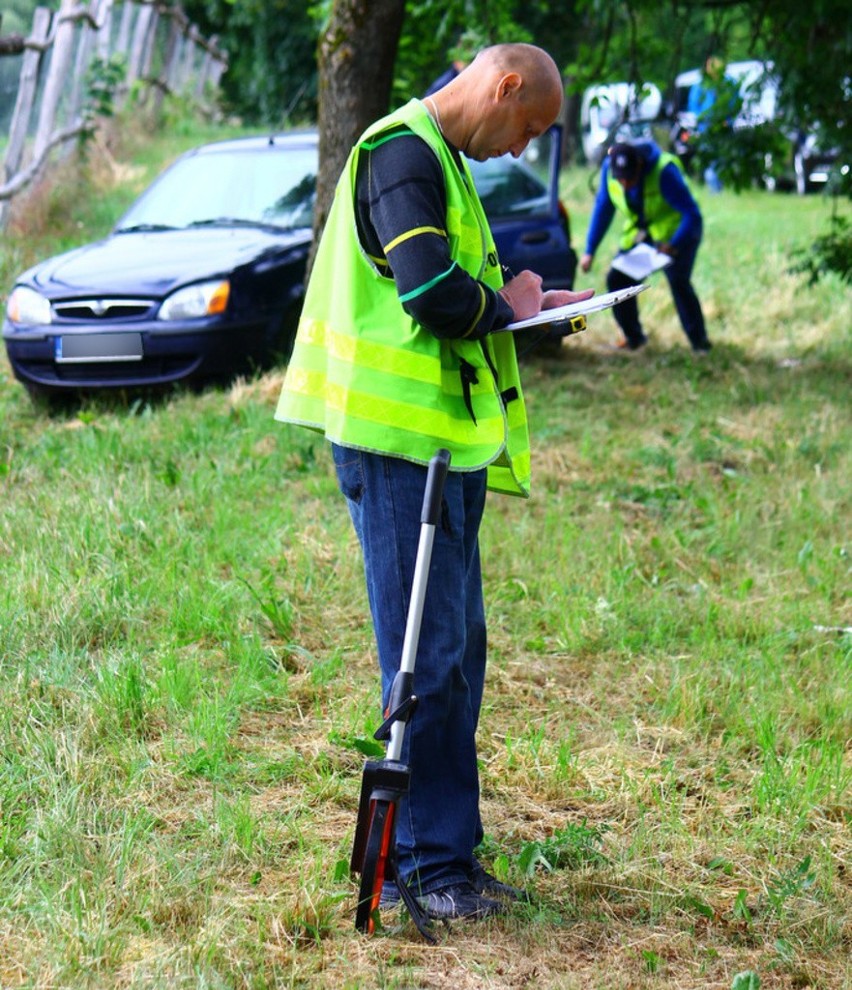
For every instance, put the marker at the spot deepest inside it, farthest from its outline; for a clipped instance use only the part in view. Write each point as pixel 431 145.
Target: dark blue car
pixel 529 221
pixel 203 277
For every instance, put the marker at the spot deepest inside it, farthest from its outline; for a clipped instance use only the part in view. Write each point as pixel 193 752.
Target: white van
pixel 608 107
pixel 809 166
pixel 757 88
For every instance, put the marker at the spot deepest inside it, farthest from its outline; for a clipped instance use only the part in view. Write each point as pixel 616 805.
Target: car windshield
pixel 510 187
pixel 267 186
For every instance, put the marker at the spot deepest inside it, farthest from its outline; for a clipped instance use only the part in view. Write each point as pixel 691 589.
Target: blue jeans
pixel 687 304
pixel 438 825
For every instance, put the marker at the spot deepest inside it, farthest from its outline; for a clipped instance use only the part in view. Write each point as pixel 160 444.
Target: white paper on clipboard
pixel 591 305
pixel 641 261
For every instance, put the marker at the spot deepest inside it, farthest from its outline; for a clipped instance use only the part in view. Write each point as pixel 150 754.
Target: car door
pixel 521 199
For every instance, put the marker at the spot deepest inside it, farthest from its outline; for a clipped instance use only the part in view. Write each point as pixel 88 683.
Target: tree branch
pixel 12 44
pixel 24 178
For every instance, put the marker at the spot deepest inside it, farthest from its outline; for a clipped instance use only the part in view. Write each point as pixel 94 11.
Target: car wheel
pixel 51 401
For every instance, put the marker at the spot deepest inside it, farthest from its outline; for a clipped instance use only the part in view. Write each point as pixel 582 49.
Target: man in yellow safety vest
pixel 395 358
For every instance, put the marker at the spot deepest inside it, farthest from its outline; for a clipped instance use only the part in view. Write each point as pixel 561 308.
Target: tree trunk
pixel 356 55
pixel 571 127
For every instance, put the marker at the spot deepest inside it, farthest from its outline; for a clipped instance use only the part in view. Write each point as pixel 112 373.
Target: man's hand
pixel 562 297
pixel 523 293
pixel 586 262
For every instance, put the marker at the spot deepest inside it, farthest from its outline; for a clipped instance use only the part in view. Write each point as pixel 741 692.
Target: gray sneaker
pixel 484 883
pixel 459 901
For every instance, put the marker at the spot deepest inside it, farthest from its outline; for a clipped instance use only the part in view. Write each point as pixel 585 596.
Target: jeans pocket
pixel 350 472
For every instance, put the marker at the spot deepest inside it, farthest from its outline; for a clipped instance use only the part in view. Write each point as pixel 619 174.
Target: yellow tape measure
pixel 574 324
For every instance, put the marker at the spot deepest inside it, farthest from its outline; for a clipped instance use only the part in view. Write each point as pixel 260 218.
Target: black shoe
pixel 484 883
pixel 458 901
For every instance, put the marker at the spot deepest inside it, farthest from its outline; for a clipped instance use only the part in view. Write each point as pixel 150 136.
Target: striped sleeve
pixel 401 217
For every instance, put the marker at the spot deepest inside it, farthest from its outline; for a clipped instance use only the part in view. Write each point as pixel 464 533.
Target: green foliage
pixel 272 78
pixel 741 151
pixel 747 980
pixel 810 46
pixel 17 15
pixel 652 960
pixel 570 847
pixel 789 884
pixel 831 252
pixel 646 41
pixel 277 610
pixel 103 77
pixel 271 45
pixel 435 34
pixel 366 745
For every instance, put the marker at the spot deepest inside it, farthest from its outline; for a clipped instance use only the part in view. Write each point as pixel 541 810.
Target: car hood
pixel 153 264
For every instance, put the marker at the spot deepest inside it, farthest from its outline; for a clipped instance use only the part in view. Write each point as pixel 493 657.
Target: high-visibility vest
pixel 368 376
pixel 662 220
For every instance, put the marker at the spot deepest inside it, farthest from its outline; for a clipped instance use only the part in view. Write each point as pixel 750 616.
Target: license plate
pixel 85 348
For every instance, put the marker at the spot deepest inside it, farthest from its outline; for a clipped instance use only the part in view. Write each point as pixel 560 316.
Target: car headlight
pixel 196 301
pixel 25 305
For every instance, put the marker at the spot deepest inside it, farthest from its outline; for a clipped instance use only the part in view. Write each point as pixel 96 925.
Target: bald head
pixel 540 77
pixel 508 95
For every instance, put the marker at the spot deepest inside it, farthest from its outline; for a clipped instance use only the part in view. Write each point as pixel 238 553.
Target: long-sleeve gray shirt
pixel 401 210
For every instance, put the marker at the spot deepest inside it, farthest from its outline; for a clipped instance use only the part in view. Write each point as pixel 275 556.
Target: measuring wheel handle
pixel 386 781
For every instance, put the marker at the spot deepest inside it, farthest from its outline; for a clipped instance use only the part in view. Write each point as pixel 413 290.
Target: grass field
pixel 187 674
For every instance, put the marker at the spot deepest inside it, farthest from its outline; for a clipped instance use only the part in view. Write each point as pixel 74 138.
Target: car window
pixel 510 187
pixel 261 185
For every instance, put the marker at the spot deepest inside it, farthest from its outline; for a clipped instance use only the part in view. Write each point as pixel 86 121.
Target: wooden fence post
pixel 137 45
pixel 204 70
pixel 24 101
pixel 188 63
pixel 57 78
pixel 26 92
pixel 122 43
pixel 105 30
pixel 171 63
pixel 85 45
pixel 163 84
pixel 150 43
pixel 167 60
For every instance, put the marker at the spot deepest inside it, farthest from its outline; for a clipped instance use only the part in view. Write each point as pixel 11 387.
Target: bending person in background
pixel 649 188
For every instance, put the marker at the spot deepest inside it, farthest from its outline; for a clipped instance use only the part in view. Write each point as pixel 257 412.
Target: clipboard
pixel 568 314
pixel 641 261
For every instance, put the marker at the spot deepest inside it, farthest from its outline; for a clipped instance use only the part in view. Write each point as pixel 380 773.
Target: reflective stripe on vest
pixel 367 376
pixel 662 219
